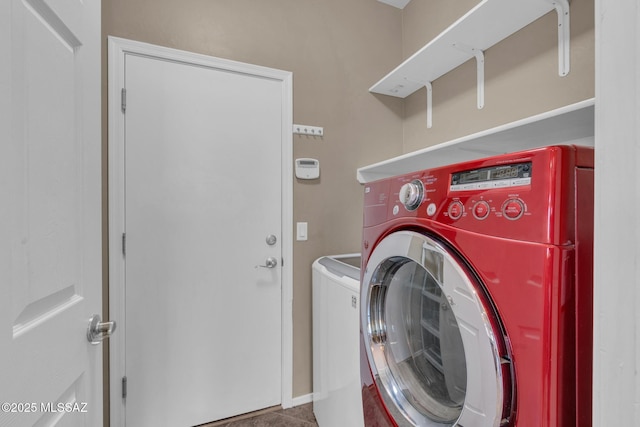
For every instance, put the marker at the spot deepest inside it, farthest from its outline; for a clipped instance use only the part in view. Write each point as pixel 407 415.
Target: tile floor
pixel 300 416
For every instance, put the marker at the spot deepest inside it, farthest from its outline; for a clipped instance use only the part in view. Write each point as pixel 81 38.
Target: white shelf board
pixel 572 124
pixel 480 28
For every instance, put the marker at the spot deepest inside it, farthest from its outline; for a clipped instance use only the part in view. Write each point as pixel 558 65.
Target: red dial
pixel 456 209
pixel 481 210
pixel 513 208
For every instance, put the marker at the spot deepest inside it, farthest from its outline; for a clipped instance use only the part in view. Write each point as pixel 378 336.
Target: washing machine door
pixel 434 344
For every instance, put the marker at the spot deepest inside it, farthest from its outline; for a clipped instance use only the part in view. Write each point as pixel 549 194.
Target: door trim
pixel 117 49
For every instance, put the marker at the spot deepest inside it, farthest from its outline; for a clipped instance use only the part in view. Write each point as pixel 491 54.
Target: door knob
pixel 97 330
pixel 271 262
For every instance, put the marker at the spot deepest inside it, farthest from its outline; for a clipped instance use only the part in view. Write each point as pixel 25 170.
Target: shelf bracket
pixel 429 88
pixel 564 36
pixel 429 104
pixel 479 55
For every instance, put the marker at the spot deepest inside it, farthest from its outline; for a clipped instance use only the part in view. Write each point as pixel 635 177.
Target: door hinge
pixel 123 100
pixel 124 244
pixel 124 387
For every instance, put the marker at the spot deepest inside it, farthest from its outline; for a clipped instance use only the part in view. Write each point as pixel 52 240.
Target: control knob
pixel 481 210
pixel 513 209
pixel 456 210
pixel 412 194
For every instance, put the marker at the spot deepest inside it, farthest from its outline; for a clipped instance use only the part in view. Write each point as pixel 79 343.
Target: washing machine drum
pixel 435 346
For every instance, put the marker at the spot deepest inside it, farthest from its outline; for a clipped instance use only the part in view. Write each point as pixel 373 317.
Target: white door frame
pixel 118 49
pixel 616 356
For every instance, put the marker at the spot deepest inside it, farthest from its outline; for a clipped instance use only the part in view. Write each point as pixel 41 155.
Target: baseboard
pixel 302 400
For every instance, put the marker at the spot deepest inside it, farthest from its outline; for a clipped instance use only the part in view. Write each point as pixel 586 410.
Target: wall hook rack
pixel 308 130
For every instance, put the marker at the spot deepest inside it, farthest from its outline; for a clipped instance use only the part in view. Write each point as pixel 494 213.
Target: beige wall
pixel 336 49
pixel 521 73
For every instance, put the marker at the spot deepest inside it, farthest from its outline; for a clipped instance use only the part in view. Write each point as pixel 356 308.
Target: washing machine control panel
pixel 501 176
pixel 507 206
pixel 512 195
pixel 473 194
pixel 427 197
pixel 486 187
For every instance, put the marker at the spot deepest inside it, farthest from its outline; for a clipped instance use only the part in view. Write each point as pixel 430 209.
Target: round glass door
pixel 433 345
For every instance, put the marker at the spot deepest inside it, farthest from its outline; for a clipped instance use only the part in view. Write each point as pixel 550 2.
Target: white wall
pixel 617 229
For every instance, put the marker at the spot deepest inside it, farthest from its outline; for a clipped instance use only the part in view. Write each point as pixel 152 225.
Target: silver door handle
pixel 97 330
pixel 271 262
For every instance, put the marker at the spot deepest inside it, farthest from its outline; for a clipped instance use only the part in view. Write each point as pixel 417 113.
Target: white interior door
pixel 50 230
pixel 202 193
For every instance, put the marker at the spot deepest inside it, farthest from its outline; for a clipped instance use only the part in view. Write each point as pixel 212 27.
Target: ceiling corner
pixel 400 4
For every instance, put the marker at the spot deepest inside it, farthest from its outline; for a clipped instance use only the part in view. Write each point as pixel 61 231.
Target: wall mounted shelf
pixel 572 124
pixel 483 26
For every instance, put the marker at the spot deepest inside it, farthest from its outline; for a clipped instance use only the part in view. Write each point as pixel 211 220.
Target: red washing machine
pixel 476 304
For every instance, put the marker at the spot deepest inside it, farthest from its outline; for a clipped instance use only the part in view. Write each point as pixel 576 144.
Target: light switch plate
pixel 301 234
